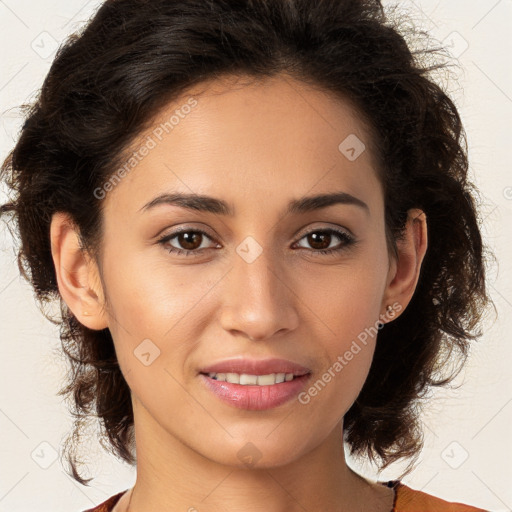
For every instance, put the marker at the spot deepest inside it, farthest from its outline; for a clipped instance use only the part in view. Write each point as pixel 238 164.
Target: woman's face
pixel 252 286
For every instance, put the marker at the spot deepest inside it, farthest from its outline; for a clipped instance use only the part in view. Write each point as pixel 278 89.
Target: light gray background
pixel 467 430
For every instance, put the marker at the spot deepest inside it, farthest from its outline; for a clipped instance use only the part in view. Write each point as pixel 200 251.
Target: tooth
pixel 248 379
pixel 234 378
pixel 267 380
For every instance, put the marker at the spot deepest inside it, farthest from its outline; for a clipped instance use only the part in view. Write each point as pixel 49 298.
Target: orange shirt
pixel 410 500
pixel 406 500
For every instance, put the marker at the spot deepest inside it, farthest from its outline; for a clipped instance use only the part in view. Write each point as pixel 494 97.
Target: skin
pixel 256 146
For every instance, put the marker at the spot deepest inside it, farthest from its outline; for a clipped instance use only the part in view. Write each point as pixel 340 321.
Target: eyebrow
pixel 210 204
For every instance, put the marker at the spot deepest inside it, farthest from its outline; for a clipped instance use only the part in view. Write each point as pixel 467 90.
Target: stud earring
pixel 86 313
pixel 389 309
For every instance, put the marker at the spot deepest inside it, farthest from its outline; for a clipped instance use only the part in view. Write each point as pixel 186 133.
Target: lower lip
pixel 256 398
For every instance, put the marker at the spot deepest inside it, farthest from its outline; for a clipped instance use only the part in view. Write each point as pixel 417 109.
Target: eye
pixel 321 240
pixel 191 241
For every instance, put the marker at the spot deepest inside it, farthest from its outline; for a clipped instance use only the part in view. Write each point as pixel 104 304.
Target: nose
pixel 258 299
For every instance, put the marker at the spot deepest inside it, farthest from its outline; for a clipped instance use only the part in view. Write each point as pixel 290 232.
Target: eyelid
pixel 324 227
pixel 179 227
pixel 347 241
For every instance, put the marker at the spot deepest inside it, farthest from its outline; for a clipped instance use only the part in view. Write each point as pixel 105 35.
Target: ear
pixel 404 272
pixel 78 276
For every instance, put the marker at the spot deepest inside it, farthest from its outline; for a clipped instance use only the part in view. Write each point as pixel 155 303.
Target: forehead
pixel 244 139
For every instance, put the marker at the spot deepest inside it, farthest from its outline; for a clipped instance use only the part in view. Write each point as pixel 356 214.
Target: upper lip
pixel 256 367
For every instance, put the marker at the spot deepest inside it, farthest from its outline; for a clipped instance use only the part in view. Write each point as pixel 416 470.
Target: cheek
pixel 347 305
pixel 346 300
pixel 152 296
pixel 157 309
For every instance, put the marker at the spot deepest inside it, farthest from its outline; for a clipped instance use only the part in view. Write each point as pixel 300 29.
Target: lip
pixel 256 398
pixel 256 367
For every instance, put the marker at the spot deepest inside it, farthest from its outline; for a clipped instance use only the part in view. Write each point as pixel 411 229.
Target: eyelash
pixel 347 239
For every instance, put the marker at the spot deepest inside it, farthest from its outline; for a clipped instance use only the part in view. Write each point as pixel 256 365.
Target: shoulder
pixel 411 500
pixel 107 505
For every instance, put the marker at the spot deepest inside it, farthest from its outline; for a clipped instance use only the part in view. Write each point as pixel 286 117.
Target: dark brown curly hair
pixel 107 83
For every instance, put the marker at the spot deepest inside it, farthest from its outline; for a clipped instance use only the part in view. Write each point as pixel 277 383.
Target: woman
pixel 257 219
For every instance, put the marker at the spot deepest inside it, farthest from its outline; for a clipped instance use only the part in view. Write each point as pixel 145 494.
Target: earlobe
pixel 406 269
pixel 77 274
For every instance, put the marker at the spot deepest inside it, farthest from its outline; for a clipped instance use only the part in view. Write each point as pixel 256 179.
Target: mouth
pixel 255 392
pixel 255 384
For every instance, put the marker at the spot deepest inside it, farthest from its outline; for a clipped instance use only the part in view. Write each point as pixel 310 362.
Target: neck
pixel 171 476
